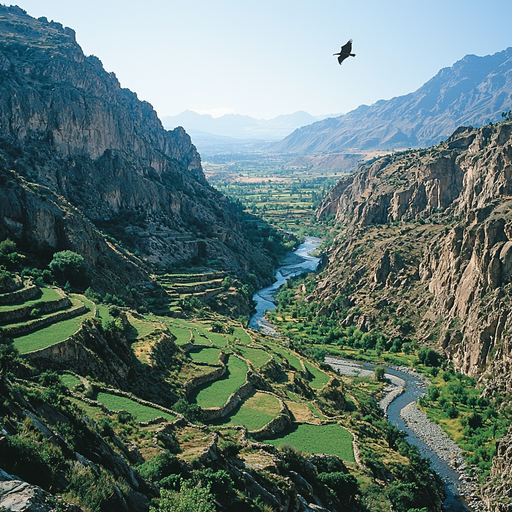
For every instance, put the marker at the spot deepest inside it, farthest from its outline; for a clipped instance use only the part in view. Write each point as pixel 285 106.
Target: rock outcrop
pixel 80 155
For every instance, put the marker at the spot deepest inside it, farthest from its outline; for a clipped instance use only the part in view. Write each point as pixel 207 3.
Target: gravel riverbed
pixel 430 433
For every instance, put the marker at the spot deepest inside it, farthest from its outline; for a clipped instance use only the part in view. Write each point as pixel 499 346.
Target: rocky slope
pixel 424 255
pixel 472 92
pixel 79 153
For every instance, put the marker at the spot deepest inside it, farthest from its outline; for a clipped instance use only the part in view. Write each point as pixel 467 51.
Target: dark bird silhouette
pixel 345 52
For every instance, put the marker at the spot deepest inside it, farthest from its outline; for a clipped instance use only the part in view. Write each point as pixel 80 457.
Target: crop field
pixel 182 335
pixel 291 358
pixel 241 335
pixel 54 333
pixel 219 340
pixel 320 379
pixel 140 328
pixel 69 380
pixel 216 393
pixel 47 295
pixel 139 411
pixel 205 355
pixel 283 195
pixel 331 439
pixel 256 356
pixel 256 411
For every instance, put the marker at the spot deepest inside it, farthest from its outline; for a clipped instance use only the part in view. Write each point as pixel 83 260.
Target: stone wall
pixel 33 325
pixel 22 312
pixel 27 293
pixel 233 401
pixel 275 425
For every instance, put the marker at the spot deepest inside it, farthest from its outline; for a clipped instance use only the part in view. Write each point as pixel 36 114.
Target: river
pixel 406 387
pixel 298 262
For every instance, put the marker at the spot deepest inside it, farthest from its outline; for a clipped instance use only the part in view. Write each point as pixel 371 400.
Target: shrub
pixel 192 412
pixel 344 485
pixel 163 465
pixel 189 499
pixel 429 357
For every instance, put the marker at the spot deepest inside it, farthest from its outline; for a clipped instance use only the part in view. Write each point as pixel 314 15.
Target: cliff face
pixel 473 91
pixel 432 232
pixel 87 152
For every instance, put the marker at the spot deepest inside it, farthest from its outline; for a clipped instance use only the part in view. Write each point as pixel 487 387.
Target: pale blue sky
pixel 264 58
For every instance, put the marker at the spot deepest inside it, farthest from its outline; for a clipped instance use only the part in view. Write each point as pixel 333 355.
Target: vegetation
pixel 331 439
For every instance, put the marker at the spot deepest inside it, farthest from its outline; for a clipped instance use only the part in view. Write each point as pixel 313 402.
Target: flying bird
pixel 345 52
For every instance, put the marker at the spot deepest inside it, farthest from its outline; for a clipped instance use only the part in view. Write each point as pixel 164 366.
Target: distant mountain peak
pixel 474 91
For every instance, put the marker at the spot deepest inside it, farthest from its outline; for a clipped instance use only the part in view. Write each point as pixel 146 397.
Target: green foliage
pixel 379 373
pixel 344 485
pixel 226 283
pixel 8 255
pixel 93 491
pixel 68 266
pixel 429 357
pixel 163 465
pixel 191 498
pixel 192 412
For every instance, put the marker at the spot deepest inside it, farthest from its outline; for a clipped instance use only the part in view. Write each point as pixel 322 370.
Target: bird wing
pixel 346 48
pixel 342 57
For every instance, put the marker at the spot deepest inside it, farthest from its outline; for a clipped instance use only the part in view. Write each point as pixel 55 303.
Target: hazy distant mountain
pixel 241 127
pixel 471 92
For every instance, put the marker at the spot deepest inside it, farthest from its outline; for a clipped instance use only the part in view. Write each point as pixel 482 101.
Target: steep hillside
pixel 79 154
pixel 423 255
pixel 473 91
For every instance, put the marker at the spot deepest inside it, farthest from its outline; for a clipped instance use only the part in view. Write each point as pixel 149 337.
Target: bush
pixel 192 412
pixel 344 485
pixel 189 499
pixel 163 465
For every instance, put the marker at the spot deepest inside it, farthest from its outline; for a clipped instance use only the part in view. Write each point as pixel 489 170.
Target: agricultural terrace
pixel 182 335
pixel 217 393
pixel 47 295
pixel 241 335
pixel 255 412
pixel 257 357
pixel 140 328
pixel 205 355
pixel 292 359
pixel 320 379
pixel 139 411
pixel 331 439
pixel 55 332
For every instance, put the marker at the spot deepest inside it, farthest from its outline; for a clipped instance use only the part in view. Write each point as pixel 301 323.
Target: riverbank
pixel 445 455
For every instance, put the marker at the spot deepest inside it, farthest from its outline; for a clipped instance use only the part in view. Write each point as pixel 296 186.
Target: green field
pixel 53 333
pixel 331 439
pixel 138 411
pixel 140 328
pixel 205 355
pixel 182 335
pixel 292 358
pixel 216 393
pixel 256 411
pixel 242 336
pixel 47 295
pixel 69 380
pixel 320 379
pixel 257 357
pixel 219 340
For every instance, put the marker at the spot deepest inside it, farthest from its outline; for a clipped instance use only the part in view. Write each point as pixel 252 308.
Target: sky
pixel 265 58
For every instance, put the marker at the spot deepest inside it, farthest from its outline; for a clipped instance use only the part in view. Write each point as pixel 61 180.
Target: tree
pixel 69 266
pixel 379 373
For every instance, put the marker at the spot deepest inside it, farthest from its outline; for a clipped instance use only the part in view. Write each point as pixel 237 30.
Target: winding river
pixel 405 388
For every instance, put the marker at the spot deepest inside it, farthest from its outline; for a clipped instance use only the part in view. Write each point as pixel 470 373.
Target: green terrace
pixel 216 393
pixel 255 412
pixel 331 439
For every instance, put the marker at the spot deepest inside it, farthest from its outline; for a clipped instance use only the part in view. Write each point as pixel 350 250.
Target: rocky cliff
pixel 80 154
pixel 475 90
pixel 437 224
pixel 424 254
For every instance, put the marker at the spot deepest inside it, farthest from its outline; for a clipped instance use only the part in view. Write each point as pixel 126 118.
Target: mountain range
pixel 474 91
pixel 239 126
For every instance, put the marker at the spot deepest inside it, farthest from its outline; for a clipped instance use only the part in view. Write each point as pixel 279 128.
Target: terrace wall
pixel 18 314
pixel 27 293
